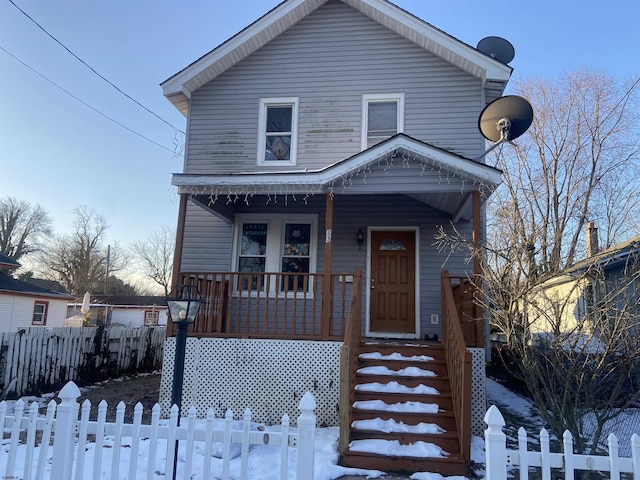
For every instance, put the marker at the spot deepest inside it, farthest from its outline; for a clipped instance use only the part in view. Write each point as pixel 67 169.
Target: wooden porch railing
pixel 349 353
pixel 458 364
pixel 470 312
pixel 269 305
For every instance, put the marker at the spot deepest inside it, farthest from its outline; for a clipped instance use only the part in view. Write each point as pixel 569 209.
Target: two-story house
pixel 326 144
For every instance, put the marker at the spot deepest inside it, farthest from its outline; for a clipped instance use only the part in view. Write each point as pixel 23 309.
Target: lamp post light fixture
pixel 183 305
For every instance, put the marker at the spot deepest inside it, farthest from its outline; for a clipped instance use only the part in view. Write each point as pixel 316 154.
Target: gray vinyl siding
pixel 207 242
pixel 329 60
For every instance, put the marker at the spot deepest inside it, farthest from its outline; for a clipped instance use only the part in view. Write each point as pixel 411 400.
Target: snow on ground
pixel 263 460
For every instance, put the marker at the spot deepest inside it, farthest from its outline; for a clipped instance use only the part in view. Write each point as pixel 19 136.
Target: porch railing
pixel 470 312
pixel 349 353
pixel 269 305
pixel 458 364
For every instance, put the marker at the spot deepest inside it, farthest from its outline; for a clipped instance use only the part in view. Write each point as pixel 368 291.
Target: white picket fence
pixel 499 458
pixel 136 451
pixel 40 359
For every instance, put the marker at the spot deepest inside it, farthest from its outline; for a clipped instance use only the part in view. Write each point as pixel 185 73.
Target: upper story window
pixel 278 131
pixel 40 313
pixel 382 117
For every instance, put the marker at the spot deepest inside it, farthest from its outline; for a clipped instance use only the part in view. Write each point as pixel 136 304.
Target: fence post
pixel 635 454
pixel 306 437
pixel 495 445
pixel 64 436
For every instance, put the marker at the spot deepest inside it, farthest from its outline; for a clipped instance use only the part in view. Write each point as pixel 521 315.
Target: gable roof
pixel 179 87
pixel 455 177
pixel 611 257
pixel 10 285
pixel 7 262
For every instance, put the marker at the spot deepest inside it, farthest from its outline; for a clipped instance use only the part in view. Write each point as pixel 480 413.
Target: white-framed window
pixel 40 313
pixel 151 317
pixel 382 117
pixel 278 131
pixel 278 243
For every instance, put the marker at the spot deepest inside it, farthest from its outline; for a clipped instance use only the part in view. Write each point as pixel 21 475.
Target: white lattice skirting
pixel 269 376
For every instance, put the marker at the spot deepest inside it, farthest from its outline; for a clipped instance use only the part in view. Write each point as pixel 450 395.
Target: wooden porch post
pixel 477 230
pixel 177 251
pixel 327 299
pixel 477 269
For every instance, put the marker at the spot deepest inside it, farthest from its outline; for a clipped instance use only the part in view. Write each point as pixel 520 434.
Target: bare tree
pixel 23 227
pixel 579 162
pixel 155 256
pixel 79 260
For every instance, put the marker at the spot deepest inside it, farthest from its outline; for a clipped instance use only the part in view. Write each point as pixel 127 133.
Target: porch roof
pixel 399 165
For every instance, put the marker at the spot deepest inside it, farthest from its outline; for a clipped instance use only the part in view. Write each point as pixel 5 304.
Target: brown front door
pixel 393 287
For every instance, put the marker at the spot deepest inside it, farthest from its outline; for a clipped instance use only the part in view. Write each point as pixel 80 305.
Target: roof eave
pixel 178 88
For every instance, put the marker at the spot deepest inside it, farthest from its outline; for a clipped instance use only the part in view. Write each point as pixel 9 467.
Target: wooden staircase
pixel 408 437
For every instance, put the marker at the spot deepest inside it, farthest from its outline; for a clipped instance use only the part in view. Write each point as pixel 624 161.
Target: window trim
pixel 276 224
pixel 44 313
pixel 262 129
pixel 377 98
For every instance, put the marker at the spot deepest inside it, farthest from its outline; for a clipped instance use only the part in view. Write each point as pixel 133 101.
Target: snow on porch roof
pixel 179 87
pixel 436 173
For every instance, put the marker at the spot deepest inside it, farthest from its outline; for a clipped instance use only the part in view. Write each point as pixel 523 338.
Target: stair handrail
pixel 349 353
pixel 458 365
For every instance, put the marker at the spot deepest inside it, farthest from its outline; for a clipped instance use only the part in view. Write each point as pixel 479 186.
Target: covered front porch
pixel 368 224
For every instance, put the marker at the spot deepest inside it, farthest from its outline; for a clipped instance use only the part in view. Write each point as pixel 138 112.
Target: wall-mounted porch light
pixel 360 239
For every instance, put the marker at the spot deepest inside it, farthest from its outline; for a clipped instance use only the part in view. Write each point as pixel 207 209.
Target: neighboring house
pixel 124 310
pixel 25 305
pixel 327 142
pixel 605 286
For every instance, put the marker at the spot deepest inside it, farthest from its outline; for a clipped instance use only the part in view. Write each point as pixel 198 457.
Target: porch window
pixel 253 251
pixel 295 255
pixel 278 125
pixel 284 244
pixel 40 313
pixel 382 117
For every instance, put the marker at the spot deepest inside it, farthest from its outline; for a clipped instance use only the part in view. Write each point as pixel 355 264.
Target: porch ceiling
pixel 400 165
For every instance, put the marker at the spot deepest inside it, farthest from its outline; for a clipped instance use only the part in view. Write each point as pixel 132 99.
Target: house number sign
pixel 328 237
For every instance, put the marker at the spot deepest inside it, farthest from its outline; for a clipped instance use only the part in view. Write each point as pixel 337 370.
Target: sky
pixel 60 153
pixel 264 461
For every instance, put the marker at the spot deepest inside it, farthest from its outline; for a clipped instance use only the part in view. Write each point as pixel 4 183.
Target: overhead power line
pixel 85 103
pixel 93 70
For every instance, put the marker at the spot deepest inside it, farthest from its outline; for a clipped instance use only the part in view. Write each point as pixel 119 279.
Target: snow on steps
pixel 403 414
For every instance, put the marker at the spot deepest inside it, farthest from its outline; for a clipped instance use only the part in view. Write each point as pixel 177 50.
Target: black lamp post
pixel 183 304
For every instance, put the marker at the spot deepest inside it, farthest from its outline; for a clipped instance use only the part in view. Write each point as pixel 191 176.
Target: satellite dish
pixel 505 119
pixel 497 48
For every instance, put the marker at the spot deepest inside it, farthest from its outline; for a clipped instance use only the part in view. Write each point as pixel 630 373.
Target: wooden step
pixel 444 420
pixel 445 466
pixel 396 356
pixel 443 401
pixel 447 441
